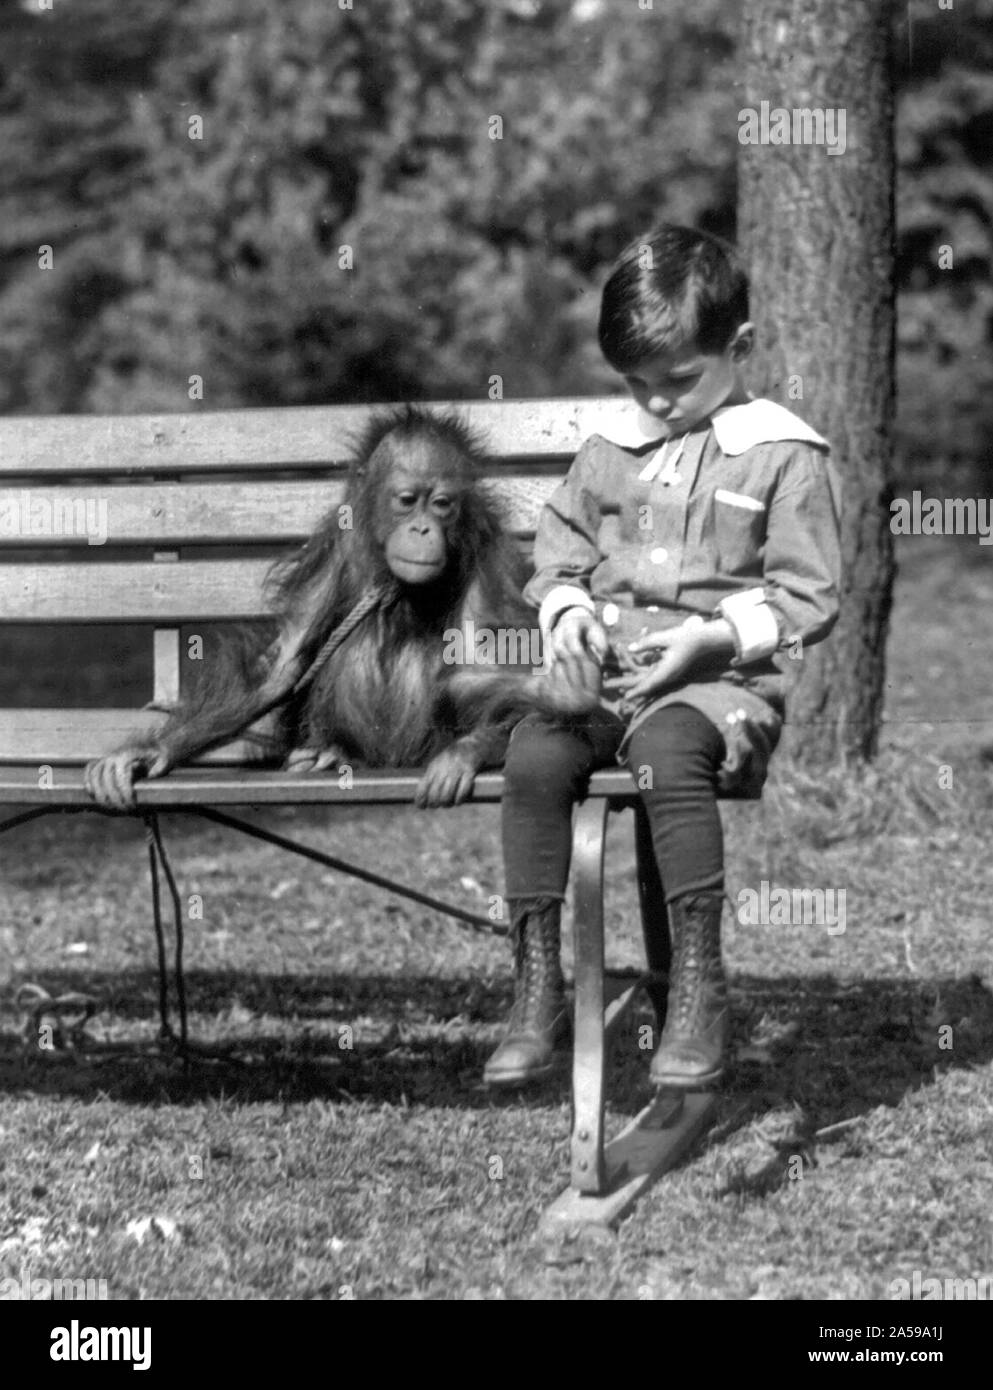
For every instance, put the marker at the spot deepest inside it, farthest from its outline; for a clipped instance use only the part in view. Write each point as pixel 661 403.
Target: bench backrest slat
pixel 237 512
pixel 294 436
pixel 243 512
pixel 76 735
pixel 195 591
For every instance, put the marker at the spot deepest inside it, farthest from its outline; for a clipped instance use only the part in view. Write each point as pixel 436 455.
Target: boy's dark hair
pixel 670 289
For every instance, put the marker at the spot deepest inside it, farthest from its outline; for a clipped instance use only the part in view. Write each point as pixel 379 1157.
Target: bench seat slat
pixel 245 787
pixel 143 591
pixel 196 441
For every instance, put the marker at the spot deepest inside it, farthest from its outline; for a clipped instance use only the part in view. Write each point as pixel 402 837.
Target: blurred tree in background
pixel 817 235
pixel 479 162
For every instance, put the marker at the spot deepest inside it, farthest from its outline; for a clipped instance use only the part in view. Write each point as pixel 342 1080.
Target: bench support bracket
pixel 331 861
pixel 655 1141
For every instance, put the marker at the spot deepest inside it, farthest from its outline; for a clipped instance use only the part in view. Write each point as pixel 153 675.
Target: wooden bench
pixel 196 506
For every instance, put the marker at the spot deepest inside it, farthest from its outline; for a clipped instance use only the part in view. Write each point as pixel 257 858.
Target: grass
pixel 291 1166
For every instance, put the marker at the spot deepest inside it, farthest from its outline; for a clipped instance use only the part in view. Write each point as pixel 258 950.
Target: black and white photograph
pixel 496 610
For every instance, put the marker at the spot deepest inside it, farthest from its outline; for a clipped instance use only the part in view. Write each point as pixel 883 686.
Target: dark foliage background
pixel 370 127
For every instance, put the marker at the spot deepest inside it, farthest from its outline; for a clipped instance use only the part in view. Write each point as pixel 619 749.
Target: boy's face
pixel 681 388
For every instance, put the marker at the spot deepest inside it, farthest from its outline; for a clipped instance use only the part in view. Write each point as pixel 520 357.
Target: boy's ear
pixel 742 342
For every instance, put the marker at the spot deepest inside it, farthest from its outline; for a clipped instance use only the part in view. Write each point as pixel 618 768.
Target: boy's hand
pixel 577 635
pixel 680 648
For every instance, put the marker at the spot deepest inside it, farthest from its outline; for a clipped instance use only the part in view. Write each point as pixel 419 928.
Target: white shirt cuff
pixel 756 631
pixel 557 600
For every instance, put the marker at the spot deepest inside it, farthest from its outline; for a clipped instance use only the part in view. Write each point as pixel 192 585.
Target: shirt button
pixel 611 613
pixel 659 555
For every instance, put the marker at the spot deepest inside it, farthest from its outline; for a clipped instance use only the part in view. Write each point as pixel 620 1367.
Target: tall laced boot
pixel 692 1051
pixel 539 1019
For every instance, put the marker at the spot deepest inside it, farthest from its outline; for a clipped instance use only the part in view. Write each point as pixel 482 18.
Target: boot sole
pixel 518 1079
pixel 688 1083
pixel 524 1078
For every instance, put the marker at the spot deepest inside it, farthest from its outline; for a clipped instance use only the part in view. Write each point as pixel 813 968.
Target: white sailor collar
pixel 741 427
pixel 736 427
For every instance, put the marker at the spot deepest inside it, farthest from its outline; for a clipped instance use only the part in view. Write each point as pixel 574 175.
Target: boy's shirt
pixel 745 527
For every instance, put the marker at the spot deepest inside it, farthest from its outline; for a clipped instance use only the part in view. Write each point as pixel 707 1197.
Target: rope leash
pixel 36 1001
pixel 71 1013
pixel 157 856
pixel 376 596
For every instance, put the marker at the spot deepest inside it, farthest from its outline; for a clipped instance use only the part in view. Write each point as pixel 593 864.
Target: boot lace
pixel 539 994
pixel 698 977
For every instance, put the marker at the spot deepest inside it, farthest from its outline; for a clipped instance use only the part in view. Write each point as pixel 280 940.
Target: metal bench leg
pixel 589 1057
pixel 608 1180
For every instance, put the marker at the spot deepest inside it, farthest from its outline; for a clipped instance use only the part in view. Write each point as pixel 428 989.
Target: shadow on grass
pixel 827 1050
pixel 276 1037
pixel 814 1056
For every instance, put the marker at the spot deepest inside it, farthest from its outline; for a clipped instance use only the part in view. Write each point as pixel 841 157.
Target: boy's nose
pixel 659 405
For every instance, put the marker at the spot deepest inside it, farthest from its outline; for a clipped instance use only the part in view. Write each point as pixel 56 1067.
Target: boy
pixel 682 566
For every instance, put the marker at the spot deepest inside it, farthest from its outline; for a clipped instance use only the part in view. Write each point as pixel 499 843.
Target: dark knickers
pixel 674 755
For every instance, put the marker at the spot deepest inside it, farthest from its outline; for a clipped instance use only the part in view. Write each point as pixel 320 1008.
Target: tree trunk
pixel 817 233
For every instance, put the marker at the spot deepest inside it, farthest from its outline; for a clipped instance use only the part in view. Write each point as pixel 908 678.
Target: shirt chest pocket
pixel 740 528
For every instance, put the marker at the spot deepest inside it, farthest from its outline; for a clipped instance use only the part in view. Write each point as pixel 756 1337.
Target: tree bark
pixel 817 234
